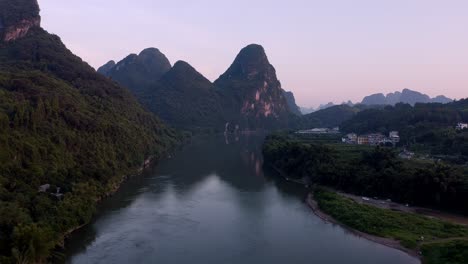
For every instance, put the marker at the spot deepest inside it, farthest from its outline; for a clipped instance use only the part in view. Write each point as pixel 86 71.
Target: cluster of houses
pixel 372 139
pixel 461 126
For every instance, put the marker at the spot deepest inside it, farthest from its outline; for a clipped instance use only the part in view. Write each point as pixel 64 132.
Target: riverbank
pixel 112 187
pixel 414 234
pixel 392 243
pixel 390 205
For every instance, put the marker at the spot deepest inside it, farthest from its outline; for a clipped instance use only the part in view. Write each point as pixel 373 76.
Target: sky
pixel 323 51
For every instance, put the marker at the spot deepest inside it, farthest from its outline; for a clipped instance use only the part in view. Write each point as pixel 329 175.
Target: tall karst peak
pixel 253 92
pixel 251 62
pixel 155 60
pixel 17 17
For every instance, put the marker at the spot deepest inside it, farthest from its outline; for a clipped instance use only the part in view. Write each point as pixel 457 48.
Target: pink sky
pixel 322 50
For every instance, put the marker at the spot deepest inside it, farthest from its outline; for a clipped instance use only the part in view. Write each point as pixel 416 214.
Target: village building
pixel 363 140
pixel 394 137
pixel 373 139
pixel 350 138
pixel 461 126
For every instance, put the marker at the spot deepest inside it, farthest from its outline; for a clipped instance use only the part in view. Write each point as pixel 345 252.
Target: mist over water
pixel 214 202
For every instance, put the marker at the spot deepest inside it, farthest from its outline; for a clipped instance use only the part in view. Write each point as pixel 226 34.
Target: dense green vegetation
pixel 64 125
pixel 329 117
pixel 179 95
pixel 185 99
pixel 413 231
pixel 424 127
pixel 138 72
pixel 451 252
pixel 370 171
pixel 248 95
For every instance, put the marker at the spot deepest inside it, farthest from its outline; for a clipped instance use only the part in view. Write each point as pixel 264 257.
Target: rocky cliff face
pixel 252 94
pixel 17 17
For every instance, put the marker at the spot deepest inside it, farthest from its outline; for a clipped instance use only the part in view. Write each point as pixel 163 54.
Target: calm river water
pixel 213 202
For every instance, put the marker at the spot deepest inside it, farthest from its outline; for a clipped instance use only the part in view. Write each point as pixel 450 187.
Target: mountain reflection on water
pixel 214 202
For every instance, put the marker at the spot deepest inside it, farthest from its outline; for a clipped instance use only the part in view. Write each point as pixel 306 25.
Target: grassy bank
pixel 370 171
pixel 451 252
pixel 439 242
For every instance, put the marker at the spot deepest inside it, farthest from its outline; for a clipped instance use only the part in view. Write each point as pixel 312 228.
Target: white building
pixel 461 126
pixel 350 138
pixel 394 137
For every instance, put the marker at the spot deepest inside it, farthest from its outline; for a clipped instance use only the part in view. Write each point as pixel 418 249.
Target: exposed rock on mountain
pixel 251 92
pixel 17 18
pixel 247 96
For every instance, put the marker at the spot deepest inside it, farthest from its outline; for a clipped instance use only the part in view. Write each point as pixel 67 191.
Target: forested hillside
pixel 64 127
pixel 185 99
pixel 371 171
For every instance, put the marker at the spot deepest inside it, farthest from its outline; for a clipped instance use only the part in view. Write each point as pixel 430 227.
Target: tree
pixel 31 244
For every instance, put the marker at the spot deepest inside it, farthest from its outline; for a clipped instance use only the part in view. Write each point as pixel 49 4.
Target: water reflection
pixel 215 203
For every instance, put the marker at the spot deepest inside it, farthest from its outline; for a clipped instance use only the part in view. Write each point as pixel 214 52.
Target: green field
pixel 439 241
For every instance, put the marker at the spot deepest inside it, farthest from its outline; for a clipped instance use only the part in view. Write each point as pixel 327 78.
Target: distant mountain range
pixel 308 110
pixel 406 96
pixel 247 96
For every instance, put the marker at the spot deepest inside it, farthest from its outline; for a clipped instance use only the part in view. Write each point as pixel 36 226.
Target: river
pixel 213 202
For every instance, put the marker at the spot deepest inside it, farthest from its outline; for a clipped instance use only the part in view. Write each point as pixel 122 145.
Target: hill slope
pixel 185 99
pixel 64 125
pixel 138 72
pixel 247 95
